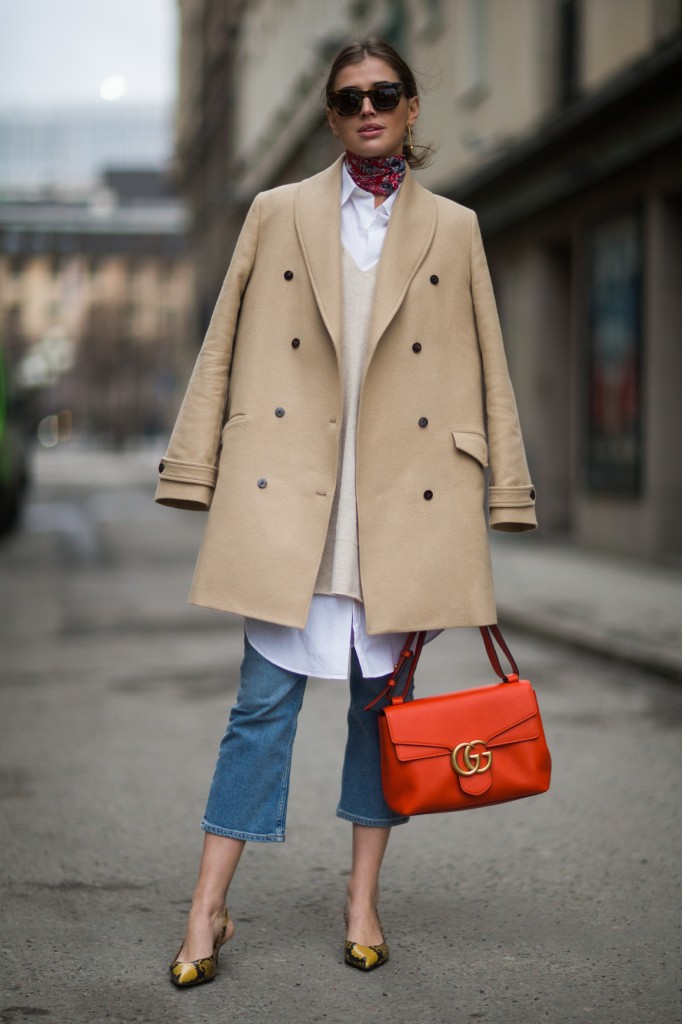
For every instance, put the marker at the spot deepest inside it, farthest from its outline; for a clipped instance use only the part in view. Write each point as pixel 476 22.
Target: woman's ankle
pixel 362 895
pixel 208 905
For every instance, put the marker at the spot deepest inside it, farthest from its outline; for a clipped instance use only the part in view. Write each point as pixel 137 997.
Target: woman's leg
pixel 249 792
pixel 250 788
pixel 362 802
pixel 369 846
pixel 219 861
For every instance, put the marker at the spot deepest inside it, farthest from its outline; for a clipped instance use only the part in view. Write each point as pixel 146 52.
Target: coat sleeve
pixel 189 469
pixel 511 493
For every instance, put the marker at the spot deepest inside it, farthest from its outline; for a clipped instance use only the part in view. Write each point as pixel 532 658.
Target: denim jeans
pixel 250 787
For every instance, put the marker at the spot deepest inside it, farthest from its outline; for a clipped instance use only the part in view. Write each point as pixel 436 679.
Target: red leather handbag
pixel 465 749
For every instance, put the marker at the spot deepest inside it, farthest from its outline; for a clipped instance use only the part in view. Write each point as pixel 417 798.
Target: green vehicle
pixel 13 454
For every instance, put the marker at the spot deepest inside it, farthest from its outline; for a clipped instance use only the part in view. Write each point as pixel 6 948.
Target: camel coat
pixel 256 440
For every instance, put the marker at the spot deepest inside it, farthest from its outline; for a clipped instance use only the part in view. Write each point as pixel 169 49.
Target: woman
pixel 351 390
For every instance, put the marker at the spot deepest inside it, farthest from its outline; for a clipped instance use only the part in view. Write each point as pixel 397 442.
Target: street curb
pixel 585 637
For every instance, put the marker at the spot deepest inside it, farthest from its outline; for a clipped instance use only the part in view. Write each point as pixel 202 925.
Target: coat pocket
pixel 472 444
pixel 236 417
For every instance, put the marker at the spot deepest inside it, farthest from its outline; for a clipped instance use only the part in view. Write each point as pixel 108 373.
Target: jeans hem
pixel 249 837
pixel 370 822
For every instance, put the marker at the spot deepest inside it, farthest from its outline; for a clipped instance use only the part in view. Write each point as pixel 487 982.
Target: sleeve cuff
pixel 512 509
pixel 187 472
pixel 512 497
pixel 179 494
pixel 514 519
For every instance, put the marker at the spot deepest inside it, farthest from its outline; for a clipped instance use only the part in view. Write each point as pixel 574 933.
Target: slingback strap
pixel 406 655
pixel 488 632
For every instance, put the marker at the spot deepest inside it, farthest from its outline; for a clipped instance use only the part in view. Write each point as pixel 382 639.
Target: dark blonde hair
pixel 355 53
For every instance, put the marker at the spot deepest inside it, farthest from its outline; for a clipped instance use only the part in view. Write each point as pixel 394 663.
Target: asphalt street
pixel 562 908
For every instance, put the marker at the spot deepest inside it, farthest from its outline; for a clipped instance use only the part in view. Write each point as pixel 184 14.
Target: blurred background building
pixel 97 316
pixel 96 302
pixel 560 123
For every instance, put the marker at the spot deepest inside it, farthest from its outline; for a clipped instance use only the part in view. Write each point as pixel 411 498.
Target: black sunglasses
pixel 384 96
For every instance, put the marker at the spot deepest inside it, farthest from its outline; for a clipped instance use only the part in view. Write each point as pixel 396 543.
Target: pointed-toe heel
pixel 364 958
pixel 186 973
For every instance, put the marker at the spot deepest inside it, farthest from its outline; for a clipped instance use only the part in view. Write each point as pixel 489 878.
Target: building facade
pixel 560 123
pixel 97 315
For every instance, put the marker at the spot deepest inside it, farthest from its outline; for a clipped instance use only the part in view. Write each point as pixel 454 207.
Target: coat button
pixel 428 495
pixel 279 411
pixel 295 342
pixel 288 274
pixel 423 422
pixel 532 493
pixel 262 483
pixel 161 467
pixel 434 279
pixel 416 347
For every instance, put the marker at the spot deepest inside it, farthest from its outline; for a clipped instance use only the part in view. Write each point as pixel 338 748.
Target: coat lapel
pixel 408 238
pixel 318 226
pixel 409 235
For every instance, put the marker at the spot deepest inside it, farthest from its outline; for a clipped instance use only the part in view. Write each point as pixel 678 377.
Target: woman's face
pixel 378 133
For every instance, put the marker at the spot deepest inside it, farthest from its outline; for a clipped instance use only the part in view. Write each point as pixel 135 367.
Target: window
pixel 614 444
pixel 568 52
pixel 472 54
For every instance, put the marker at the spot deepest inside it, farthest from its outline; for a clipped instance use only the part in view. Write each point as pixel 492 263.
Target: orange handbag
pixel 465 749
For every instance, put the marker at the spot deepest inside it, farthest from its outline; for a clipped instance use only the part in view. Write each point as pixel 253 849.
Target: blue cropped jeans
pixel 250 787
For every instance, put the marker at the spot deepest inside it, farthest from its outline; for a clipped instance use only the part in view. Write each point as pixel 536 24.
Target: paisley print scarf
pixel 376 174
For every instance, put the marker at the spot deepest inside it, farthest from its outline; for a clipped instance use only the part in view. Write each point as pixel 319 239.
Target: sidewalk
pixel 622 608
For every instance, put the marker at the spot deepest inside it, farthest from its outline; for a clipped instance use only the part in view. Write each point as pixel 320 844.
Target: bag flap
pixel 434 726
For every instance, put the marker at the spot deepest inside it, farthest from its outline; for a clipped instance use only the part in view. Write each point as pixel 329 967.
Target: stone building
pixel 560 123
pixel 579 194
pixel 97 310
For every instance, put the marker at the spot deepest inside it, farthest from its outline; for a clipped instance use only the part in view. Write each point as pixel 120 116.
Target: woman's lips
pixel 370 130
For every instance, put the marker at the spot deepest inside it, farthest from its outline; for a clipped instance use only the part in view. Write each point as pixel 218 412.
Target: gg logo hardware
pixel 472 761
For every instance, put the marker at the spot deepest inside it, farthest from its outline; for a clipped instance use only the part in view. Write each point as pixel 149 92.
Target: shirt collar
pixel 350 191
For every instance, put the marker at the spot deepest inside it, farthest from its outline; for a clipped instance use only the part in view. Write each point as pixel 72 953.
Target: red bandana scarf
pixel 376 174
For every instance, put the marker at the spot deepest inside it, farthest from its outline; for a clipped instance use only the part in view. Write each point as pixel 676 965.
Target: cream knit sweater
pixel 340 567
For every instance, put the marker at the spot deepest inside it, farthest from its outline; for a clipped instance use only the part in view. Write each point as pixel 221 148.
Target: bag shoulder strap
pixel 406 655
pixel 490 634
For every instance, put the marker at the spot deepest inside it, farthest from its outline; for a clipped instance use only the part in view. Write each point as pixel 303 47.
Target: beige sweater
pixel 340 567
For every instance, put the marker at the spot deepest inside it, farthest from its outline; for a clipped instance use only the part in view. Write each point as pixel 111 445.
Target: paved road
pixel 560 909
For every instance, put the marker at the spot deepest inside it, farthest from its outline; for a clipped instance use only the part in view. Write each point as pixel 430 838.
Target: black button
pixel 434 279
pixel 428 495
pixel 288 274
pixel 532 493
pixel 161 467
pixel 279 411
pixel 423 422
pixel 295 342
pixel 262 483
pixel 416 347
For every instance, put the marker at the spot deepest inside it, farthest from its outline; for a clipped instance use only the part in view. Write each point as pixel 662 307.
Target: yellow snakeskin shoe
pixel 365 958
pixel 185 973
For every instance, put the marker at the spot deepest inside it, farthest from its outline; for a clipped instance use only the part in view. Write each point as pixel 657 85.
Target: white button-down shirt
pixel 337 623
pixel 363 225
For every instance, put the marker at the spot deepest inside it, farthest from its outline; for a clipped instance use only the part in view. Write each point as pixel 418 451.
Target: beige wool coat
pixel 256 441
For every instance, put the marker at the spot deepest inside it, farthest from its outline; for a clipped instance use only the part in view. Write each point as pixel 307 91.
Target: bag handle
pixel 407 654
pixel 490 634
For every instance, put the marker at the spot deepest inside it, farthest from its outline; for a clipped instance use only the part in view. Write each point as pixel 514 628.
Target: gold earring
pixel 410 126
